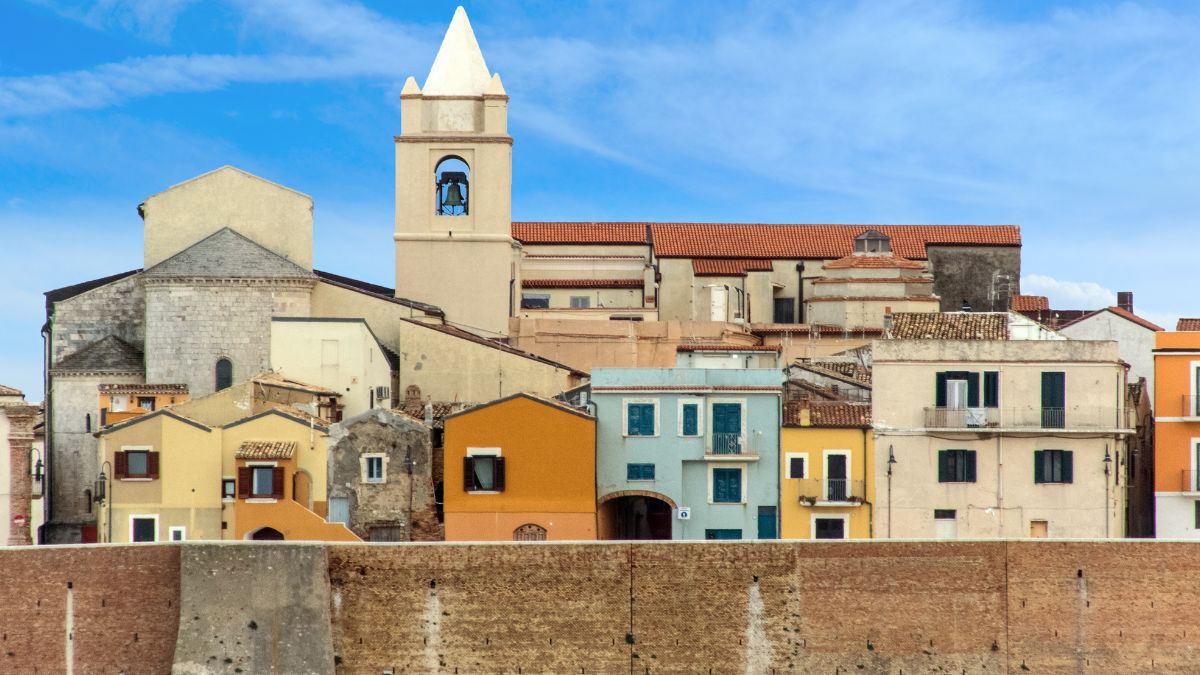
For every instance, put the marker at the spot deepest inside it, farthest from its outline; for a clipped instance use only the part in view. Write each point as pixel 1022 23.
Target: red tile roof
pixel 580 233
pixel 949 326
pixel 728 267
pixel 1188 325
pixel 809 329
pixel 1030 303
pixel 581 283
pixel 756 240
pixel 1125 314
pixel 873 262
pixel 728 348
pixel 829 414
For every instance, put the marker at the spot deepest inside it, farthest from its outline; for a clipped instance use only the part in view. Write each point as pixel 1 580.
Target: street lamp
pixel 103 483
pixel 38 473
pixel 891 463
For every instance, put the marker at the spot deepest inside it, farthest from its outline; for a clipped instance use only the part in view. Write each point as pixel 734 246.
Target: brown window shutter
pixel 245 475
pixel 277 482
pixel 468 474
pixel 499 474
pixel 120 465
pixel 152 464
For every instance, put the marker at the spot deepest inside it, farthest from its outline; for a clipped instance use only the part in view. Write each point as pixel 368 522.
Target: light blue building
pixel 687 453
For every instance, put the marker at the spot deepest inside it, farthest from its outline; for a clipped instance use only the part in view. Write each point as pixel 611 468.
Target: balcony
pixel 727 443
pixel 831 491
pixel 1027 418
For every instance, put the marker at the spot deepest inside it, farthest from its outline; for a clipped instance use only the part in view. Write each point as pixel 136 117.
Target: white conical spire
pixel 459 68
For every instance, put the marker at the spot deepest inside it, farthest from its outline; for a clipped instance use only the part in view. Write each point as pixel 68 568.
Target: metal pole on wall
pixel 891 463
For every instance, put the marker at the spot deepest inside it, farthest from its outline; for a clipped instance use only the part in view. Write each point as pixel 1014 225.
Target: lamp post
pixel 38 473
pixel 103 484
pixel 1107 472
pixel 891 463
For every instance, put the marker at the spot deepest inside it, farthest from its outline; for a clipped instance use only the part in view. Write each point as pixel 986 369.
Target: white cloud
pixel 1068 294
pixel 152 20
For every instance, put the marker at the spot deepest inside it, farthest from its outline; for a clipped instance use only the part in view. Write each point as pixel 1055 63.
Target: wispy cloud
pixel 1068 294
pixel 152 20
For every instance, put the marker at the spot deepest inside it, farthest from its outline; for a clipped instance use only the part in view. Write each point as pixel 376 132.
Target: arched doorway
pixel 635 515
pixel 266 534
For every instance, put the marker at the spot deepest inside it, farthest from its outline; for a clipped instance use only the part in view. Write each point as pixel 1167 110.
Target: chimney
pixel 1125 300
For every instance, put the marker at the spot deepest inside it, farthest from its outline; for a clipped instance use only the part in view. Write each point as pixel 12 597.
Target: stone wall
pixel 192 323
pixel 113 309
pixel 967 273
pixel 771 607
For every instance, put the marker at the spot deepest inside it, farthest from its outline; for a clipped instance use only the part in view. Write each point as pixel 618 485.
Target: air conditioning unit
pixel 383 393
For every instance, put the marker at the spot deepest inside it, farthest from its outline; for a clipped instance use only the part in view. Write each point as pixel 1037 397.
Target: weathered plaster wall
pixel 970 272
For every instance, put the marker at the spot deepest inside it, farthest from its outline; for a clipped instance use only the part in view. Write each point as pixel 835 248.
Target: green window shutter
pixel 727 485
pixel 972 390
pixel 691 419
pixel 1039 469
pixel 633 423
pixel 940 391
pixel 727 418
pixel 991 389
pixel 944 466
pixel 1068 466
pixel 970 465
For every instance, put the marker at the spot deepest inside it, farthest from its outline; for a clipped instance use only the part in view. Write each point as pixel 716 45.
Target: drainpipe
pixel 891 463
pixel 800 292
pixel 866 477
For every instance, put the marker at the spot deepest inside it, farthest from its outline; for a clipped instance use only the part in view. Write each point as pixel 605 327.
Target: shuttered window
pixel 135 464
pixel 947 381
pixel 795 467
pixel 483 473
pixel 640 419
pixel 956 466
pixel 689 424
pixel 261 482
pixel 727 486
pixel 991 389
pixel 1053 466
pixel 639 472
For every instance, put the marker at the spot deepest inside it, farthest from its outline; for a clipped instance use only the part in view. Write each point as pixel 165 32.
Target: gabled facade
pixel 521 468
pixel 999 438
pixel 686 453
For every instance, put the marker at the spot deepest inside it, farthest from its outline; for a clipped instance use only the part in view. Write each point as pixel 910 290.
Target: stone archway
pixel 635 515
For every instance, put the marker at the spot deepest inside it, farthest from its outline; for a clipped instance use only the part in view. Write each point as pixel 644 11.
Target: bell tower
pixel 454 245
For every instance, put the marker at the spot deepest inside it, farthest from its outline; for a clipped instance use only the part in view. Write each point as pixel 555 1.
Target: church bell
pixel 451 200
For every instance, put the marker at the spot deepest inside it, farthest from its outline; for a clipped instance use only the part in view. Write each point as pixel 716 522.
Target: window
pixel 143 528
pixel 956 466
pixel 829 528
pixel 580 302
pixel 1053 466
pixel 135 464
pixel 260 482
pixel 785 310
pixel 224 373
pixel 944 514
pixel 726 428
pixel 529 532
pixel 639 472
pixel 991 389
pixel 945 523
pixel 177 533
pixel 689 418
pixel 957 390
pixel 146 403
pixel 796 464
pixel 535 301
pixel 1197 506
pixel 837 476
pixel 726 486
pixel 767 522
pixel 1054 400
pixel 228 488
pixel 339 510
pixel 722 534
pixel 373 469
pixel 483 473
pixel 641 418
pixel 385 533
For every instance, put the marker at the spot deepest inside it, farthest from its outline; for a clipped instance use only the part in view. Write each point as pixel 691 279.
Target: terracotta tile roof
pixel 1124 314
pixel 582 283
pixel 441 410
pixel 852 371
pixel 728 267
pixel 277 380
pixel 809 329
pixel 686 387
pixel 950 326
pixel 579 233
pixel 9 391
pixel 728 348
pixel 873 280
pixel 266 450
pixel 829 414
pixel 1029 303
pixel 757 240
pixel 143 389
pixel 1188 325
pixel 873 262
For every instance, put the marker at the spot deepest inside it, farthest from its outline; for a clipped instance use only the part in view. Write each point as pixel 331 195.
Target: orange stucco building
pixel 1177 433
pixel 520 468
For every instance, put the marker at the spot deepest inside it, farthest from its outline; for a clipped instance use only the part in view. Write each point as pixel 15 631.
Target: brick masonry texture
pixel 806 607
pixel 125 603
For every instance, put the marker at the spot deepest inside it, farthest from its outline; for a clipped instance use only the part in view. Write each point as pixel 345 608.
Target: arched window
pixel 451 187
pixel 224 374
pixel 529 532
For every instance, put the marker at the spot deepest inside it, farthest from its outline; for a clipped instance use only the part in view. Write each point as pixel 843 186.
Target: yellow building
pixel 520 468
pixel 826 485
pixel 256 472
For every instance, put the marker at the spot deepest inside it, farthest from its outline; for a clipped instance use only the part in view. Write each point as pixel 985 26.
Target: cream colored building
pixel 999 438
pixel 339 354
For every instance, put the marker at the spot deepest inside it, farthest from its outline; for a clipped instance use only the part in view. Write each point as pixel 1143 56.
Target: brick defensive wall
pixel 763 607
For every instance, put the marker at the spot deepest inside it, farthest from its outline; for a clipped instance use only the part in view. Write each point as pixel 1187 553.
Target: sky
pixel 1078 121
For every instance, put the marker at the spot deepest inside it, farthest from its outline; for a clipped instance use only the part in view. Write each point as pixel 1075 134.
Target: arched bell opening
pixel 452 193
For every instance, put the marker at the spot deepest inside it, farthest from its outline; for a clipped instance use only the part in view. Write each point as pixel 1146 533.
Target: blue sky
pixel 1079 121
